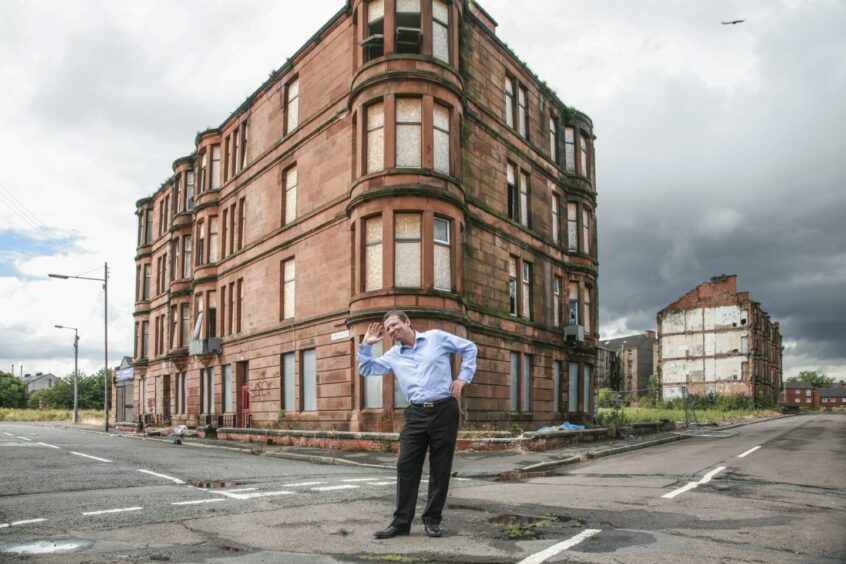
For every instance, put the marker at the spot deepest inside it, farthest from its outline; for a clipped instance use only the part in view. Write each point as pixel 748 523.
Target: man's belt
pixel 431 404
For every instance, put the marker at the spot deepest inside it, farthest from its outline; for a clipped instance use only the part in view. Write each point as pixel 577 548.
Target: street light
pixel 75 370
pixel 105 281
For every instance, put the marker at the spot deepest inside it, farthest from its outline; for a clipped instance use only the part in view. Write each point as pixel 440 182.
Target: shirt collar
pixel 418 336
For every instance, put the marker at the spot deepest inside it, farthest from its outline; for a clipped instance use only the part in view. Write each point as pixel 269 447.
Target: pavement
pixel 492 465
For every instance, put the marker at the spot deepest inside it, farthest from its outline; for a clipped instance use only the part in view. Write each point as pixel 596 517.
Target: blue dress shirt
pixel 423 372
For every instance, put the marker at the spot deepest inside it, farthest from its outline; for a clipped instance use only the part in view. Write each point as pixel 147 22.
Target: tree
pixel 12 391
pixel 812 378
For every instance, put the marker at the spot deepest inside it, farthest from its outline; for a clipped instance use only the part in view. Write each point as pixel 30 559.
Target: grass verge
pixel 86 416
pixel 639 414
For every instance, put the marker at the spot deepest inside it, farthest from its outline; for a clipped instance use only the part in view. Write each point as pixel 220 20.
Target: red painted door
pixel 245 406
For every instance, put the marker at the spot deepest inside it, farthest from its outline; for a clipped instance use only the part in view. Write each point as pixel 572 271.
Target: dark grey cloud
pixel 697 180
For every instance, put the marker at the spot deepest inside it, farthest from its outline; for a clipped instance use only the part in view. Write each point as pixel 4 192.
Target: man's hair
pixel 401 315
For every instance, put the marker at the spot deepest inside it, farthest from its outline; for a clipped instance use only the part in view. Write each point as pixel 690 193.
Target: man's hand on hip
pixel 456 387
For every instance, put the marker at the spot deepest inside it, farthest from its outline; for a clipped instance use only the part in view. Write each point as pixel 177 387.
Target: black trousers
pixel 436 429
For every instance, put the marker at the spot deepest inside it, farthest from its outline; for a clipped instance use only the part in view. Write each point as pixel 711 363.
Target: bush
pixel 12 391
pixel 608 397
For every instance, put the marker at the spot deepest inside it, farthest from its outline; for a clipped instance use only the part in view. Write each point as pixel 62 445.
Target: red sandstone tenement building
pixel 716 340
pixel 403 158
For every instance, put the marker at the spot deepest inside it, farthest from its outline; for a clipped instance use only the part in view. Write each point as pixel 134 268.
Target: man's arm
pixel 367 365
pixel 468 351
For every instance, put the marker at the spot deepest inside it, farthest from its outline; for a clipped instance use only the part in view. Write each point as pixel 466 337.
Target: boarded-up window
pixel 290 194
pixel 308 365
pixel 441 138
pixel 515 381
pixel 572 226
pixel 289 386
pixel 373 384
pixel 509 101
pixel 512 285
pixel 522 111
pixel 440 30
pixel 527 290
pixel 409 145
pixel 524 198
pixel 375 137
pixel 527 383
pixel 373 253
pixel 407 270
pixel 573 389
pixel 443 268
pixel 288 289
pixel 293 105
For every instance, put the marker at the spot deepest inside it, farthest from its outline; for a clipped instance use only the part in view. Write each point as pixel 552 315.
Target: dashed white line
pixel 121 510
pixel 250 495
pixel 165 476
pixel 330 488
pixel 381 483
pixel 748 452
pixel 196 501
pixel 301 484
pixel 543 555
pixel 3 525
pixel 359 479
pixel 26 522
pixel 24 438
pixel 51 446
pixel 10 434
pixel 89 456
pixel 242 490
pixel 691 485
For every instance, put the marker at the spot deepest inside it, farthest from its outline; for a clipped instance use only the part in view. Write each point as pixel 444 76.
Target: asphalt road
pixel 771 492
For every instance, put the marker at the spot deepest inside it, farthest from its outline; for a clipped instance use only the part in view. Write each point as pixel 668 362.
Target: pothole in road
pixel 217 485
pixel 531 527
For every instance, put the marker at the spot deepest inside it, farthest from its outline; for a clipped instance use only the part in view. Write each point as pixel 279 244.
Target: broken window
pixel 570 149
pixel 572 226
pixel 524 199
pixel 512 285
pixel 556 222
pixel 583 155
pixel 586 230
pixel 511 180
pixel 374 43
pixel 553 138
pixel 556 302
pixel 522 111
pixel 215 167
pixel 509 101
pixel 409 35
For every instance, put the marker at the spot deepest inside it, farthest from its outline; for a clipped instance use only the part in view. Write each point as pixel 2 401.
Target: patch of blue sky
pixel 19 246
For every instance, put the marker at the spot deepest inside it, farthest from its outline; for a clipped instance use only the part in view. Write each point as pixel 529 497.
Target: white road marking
pixel 381 483
pixel 691 485
pixel 330 488
pixel 24 438
pixel 121 510
pixel 360 479
pixel 543 555
pixel 89 456
pixel 302 484
pixel 197 501
pixel 41 547
pixel 748 452
pixel 51 446
pixel 10 434
pixel 165 476
pixel 3 525
pixel 242 490
pixel 250 495
pixel 26 522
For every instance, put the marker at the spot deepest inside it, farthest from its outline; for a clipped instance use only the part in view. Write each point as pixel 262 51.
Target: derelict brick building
pixel 403 158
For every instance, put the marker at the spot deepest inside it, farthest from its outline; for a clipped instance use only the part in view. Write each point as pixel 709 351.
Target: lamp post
pixel 105 281
pixel 75 370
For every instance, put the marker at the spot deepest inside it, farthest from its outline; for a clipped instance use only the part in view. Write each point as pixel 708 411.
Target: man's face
pixel 397 329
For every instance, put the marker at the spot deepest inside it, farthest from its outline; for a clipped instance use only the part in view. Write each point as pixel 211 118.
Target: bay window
pixel 442 267
pixel 373 253
pixel 407 254
pixel 409 115
pixel 375 137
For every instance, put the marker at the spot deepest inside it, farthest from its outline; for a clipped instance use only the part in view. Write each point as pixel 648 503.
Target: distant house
pixel 632 365
pixel 831 397
pixel 38 381
pixel 799 394
pixel 715 340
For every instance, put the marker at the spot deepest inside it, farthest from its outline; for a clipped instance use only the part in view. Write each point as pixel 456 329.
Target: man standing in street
pixel 421 365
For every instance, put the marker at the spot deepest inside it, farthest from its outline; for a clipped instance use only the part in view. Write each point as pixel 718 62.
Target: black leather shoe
pixel 389 533
pixel 433 529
